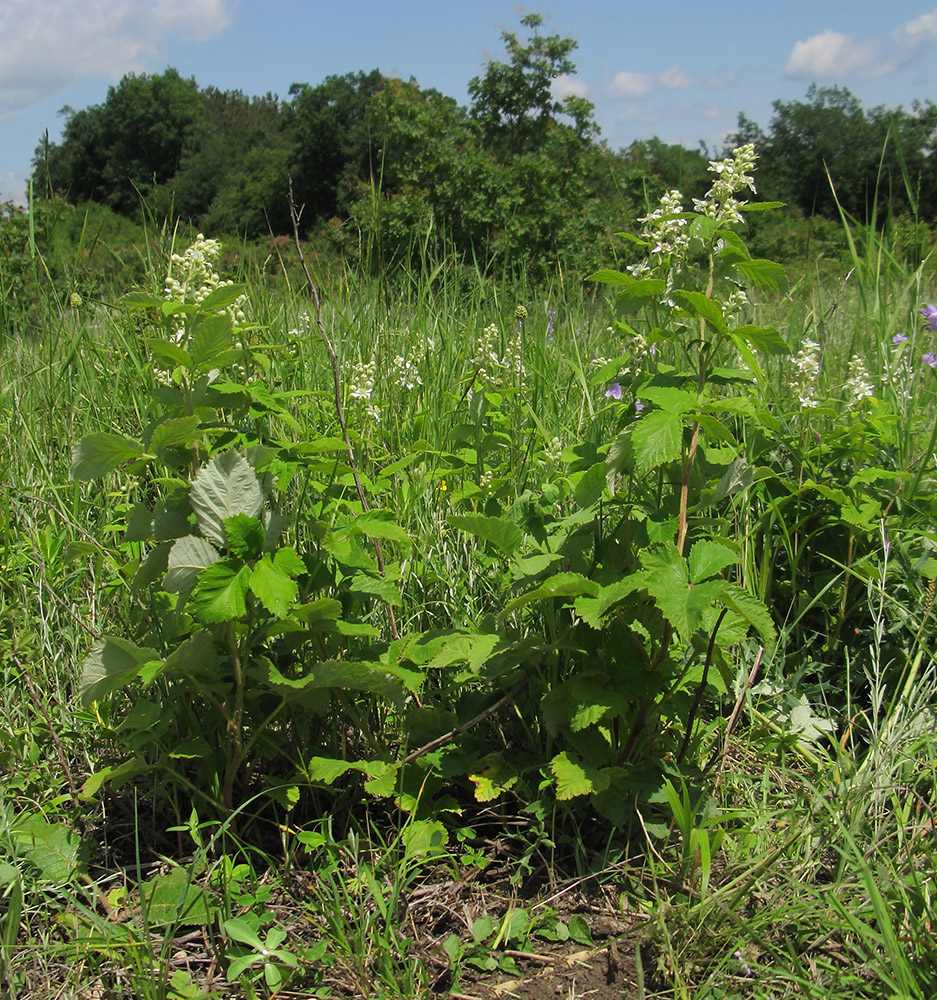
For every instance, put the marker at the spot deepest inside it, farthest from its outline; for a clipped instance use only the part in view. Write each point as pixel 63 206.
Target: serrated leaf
pixel 506 535
pixel 669 398
pixel 707 558
pixel 347 675
pixel 173 899
pixel 141 300
pixel 98 454
pixel 637 294
pixel 54 848
pixel 172 433
pixel 667 581
pixel 246 536
pixel 221 297
pixel 423 838
pixel 167 351
pixel 606 276
pixel 558 585
pixel 188 556
pixel 497 777
pixel 762 273
pixel 196 657
pixel 220 593
pixel 657 438
pixel 763 338
pixel 573 778
pixel 375 586
pixel 111 663
pixel 380 524
pixel 751 609
pixel 273 587
pixel 223 488
pixel 701 305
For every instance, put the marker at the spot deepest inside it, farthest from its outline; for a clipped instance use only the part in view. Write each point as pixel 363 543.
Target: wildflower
pixel 406 373
pixel 807 367
pixel 930 359
pixel 554 451
pixel 638 407
pixel 858 384
pixel 551 317
pixel 361 380
pixel 899 338
pixel 930 314
pixel 613 391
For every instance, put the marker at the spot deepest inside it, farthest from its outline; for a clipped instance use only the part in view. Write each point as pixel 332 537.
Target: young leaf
pixel 246 536
pixel 98 454
pixel 574 778
pixel 226 486
pixel 657 439
pixel 707 558
pixel 221 591
pixel 272 586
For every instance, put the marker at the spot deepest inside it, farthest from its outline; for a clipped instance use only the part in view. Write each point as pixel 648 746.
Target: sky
pixel 681 70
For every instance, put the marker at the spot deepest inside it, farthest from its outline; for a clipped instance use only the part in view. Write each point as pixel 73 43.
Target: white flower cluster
pixel 664 231
pixel 732 176
pixel 807 368
pixel 192 278
pixel 554 451
pixel 858 384
pixel 361 386
pixel 490 366
pixel 406 372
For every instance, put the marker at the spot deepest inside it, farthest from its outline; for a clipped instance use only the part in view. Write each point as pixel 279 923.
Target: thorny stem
pixel 337 384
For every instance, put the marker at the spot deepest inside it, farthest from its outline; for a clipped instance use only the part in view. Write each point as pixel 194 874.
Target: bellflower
pixel 930 314
pixel 614 391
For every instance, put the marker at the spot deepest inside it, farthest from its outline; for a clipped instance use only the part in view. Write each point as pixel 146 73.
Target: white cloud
pixel 674 78
pixel 831 54
pixel 630 85
pixel 46 45
pixel 566 86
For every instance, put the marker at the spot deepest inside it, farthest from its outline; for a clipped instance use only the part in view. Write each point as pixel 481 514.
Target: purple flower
pixel 930 359
pixel 899 338
pixel 930 314
pixel 638 407
pixel 551 316
pixel 614 390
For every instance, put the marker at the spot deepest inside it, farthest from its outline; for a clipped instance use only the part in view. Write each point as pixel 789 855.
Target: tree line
pixel 384 164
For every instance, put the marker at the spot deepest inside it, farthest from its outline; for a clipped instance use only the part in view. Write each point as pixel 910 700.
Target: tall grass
pixel 820 881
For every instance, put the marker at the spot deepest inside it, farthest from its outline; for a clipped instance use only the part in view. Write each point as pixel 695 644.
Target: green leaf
pixel 196 657
pixel 98 454
pixel 110 664
pixel 762 273
pixel 188 556
pixel 347 675
pixel 173 899
pixel 274 588
pixel 670 399
pixel 381 524
pixel 574 778
pixel 242 931
pixel 376 586
pixel 220 298
pixel 761 206
pixel 172 433
pixel 170 352
pixel 640 292
pixel 763 338
pixel 221 591
pixel 707 558
pixel 246 536
pixel 657 438
pixel 558 585
pixel 667 581
pixel 751 609
pixel 54 848
pixel 701 305
pixel 423 838
pixel 223 488
pixel 141 300
pixel 609 277
pixel 506 535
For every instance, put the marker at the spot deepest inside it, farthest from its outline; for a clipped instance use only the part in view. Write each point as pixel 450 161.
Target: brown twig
pixel 472 723
pixel 736 712
pixel 337 384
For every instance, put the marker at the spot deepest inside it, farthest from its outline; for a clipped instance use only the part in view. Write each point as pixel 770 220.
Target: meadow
pixel 450 633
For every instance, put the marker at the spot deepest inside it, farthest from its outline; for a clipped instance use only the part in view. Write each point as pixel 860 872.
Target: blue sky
pixel 681 70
